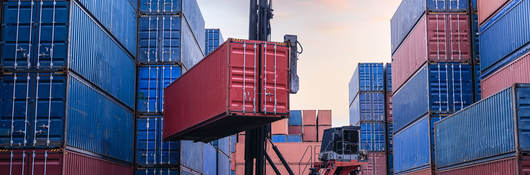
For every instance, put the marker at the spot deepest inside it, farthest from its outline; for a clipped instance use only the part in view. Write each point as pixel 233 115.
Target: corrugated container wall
pixel 440 37
pixel 441 88
pixel 504 166
pixel 152 80
pixel 151 150
pixel 376 164
pixel 367 77
pixel 410 11
pixel 487 8
pixel 509 111
pixel 515 72
pixel 373 136
pixel 505 37
pixel 368 107
pixel 213 39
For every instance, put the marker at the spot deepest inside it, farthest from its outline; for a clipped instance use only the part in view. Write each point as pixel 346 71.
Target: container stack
pixel 432 75
pixel 67 79
pixel 388 118
pixel 170 41
pixel 367 109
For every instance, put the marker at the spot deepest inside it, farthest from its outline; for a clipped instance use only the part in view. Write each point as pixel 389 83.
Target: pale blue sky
pixel 336 35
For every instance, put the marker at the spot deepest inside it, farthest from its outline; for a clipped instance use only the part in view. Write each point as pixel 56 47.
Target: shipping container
pixel 168 39
pixel 368 107
pixel 368 77
pixel 389 135
pixel 511 165
pixel 210 160
pixel 410 11
pixel 390 163
pixel 219 95
pixel 324 117
pixel 213 38
pixel 412 146
pixel 388 106
pixel 223 145
pixel 425 171
pixel 505 37
pixel 441 88
pixel 233 141
pixel 309 134
pixel 321 129
pixel 118 17
pixel 152 80
pixel 62 43
pixel 479 137
pixel 151 150
pixel 295 129
pixel 157 171
pixel 294 138
pixel 56 110
pixel 373 136
pixel 376 164
pixel 388 78
pixel 295 118
pixel 279 127
pixel 309 117
pixel 517 71
pixel 487 8
pixel 475 37
pixel 279 138
pixel 58 162
pixel 476 81
pixel 191 155
pixel 223 164
pixel 440 37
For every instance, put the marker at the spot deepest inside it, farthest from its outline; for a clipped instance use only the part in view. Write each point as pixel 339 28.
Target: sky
pixel 335 35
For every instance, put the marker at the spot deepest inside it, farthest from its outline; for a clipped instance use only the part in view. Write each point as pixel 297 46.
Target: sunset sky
pixel 335 34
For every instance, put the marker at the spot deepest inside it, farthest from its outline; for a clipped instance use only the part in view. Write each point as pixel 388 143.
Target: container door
pixel 274 78
pixel 244 60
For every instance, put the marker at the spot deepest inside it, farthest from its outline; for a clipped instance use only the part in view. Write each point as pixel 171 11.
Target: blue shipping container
pixel 413 146
pixel 373 136
pixel 295 118
pixel 505 33
pixel 388 78
pixel 151 150
pixel 294 138
pixel 486 129
pixel 191 155
pixel 92 53
pixel 368 77
pixel 223 164
pixel 389 135
pixel 152 80
pixel 441 88
pixel 168 39
pixel 390 163
pixel 476 77
pixel 210 160
pixel 278 138
pixel 222 144
pixel 54 110
pixel 410 11
pixel 368 107
pixel 213 39
pixel 156 171
pixel 233 141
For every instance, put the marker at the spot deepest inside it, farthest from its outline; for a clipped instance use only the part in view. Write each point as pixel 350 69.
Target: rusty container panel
pixel 376 164
pixel 309 117
pixel 79 164
pixel 295 130
pixel 515 72
pixel 324 117
pixel 222 91
pixel 497 167
pixel 321 129
pixel 309 134
pixel 279 127
pixel 524 165
pixel 486 8
pixel 426 171
pixel 437 37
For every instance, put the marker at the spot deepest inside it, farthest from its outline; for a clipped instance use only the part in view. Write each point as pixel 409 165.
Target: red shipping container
pixel 437 37
pixel 309 134
pixel 509 166
pixel 57 162
pixel 487 8
pixel 427 171
pixel 517 71
pixel 295 130
pixel 388 106
pixel 279 127
pixel 324 117
pixel 309 117
pixel 228 92
pixel 321 129
pixel 376 164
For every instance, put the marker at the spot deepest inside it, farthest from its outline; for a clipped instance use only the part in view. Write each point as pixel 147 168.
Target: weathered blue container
pixel 294 138
pixel 213 39
pixel 368 106
pixel 413 146
pixel 505 36
pixel 477 78
pixel 295 118
pixel 389 135
pixel 368 77
pixel 279 138
pixel 104 63
pixel 56 110
pixel 157 171
pixel 169 39
pixel 151 150
pixel 390 163
pixel 210 160
pixel 388 78
pixel 233 141
pixel 223 164
pixel 410 11
pixel 495 126
pixel 373 136
pixel 152 79
pixel 441 88
pixel 475 34
pixel 118 17
pixel 191 155
pixel 222 144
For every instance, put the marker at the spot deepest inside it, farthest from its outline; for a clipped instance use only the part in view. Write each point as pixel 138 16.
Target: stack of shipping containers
pixel 67 79
pixel 170 41
pixel 432 75
pixel 493 133
pixel 388 119
pixel 298 139
pixel 367 109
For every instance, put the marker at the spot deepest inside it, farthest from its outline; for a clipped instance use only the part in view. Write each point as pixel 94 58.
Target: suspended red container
pixel 241 85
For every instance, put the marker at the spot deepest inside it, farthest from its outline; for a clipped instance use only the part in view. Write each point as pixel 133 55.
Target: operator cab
pixel 341 144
